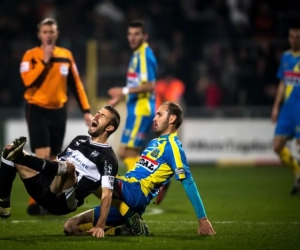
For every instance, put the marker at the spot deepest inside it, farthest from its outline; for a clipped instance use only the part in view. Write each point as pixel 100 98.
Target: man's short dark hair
pixel 47 21
pixel 115 120
pixel 175 109
pixel 138 24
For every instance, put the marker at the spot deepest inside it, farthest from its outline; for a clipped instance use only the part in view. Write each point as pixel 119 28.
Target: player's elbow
pixel 278 146
pixel 106 194
pixel 70 227
pixel 150 86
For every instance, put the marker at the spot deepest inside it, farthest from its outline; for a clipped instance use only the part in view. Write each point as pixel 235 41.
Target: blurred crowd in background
pixel 226 52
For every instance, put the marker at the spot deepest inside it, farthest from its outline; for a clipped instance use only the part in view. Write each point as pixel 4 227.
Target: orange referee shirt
pixel 46 84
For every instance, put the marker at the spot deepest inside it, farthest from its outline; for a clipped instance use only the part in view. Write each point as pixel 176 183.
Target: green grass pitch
pixel 250 208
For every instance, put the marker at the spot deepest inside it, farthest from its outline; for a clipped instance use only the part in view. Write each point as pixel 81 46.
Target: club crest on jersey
pixel 155 153
pixel 147 163
pixel 94 153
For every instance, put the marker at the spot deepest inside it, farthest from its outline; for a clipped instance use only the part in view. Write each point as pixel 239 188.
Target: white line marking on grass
pixel 35 221
pixel 153 211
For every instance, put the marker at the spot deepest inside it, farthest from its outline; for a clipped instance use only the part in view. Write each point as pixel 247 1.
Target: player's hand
pixel 274 114
pixel 88 118
pixel 205 228
pixel 114 92
pixel 48 51
pixel 97 232
pixel 114 101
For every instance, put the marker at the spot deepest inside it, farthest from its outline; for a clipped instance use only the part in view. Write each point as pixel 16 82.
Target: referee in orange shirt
pixel 47 71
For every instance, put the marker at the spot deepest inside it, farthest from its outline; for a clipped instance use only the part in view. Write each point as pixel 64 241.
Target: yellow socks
pixel 288 160
pixel 86 227
pixel 130 162
pixel 109 230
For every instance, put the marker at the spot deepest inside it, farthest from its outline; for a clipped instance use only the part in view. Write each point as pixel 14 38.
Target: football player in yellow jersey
pixel 163 158
pixel 288 92
pixel 139 94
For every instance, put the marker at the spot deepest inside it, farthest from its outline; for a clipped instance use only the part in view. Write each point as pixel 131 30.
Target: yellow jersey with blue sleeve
pixel 140 107
pixel 163 158
pixel 288 123
pixel 142 68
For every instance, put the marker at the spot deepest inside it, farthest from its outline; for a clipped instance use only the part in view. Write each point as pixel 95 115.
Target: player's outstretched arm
pixel 205 227
pixel 106 198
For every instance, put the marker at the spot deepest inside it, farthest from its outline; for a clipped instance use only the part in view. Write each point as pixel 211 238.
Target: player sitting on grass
pixel 60 186
pixel 163 158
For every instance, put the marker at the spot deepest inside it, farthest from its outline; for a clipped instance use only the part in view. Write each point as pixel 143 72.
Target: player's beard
pixel 164 126
pixel 139 44
pixel 99 131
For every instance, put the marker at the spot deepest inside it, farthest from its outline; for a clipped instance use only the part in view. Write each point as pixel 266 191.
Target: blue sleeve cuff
pixel 193 194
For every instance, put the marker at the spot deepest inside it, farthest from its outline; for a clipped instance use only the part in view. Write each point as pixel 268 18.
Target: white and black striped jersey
pixel 96 164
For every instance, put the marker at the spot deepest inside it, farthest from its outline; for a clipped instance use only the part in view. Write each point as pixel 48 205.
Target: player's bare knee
pixel 70 169
pixel 277 147
pixel 70 227
pixel 122 154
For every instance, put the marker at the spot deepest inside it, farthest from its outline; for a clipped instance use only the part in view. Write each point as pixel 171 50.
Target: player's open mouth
pixel 94 124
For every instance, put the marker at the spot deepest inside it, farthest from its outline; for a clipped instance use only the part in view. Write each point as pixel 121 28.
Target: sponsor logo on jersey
pixel 107 168
pixel 147 163
pixel 83 165
pixel 132 79
pixel 292 78
pixel 79 162
pixel 69 152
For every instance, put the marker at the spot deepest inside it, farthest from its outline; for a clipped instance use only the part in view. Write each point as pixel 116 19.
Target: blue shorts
pixel 114 217
pixel 135 131
pixel 132 194
pixel 288 123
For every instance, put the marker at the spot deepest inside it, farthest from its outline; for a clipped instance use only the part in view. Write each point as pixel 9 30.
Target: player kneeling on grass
pixel 163 158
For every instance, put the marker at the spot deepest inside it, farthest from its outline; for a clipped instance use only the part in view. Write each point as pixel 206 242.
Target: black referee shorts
pixel 46 127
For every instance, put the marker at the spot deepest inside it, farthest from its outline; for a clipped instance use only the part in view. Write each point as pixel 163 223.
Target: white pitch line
pixel 153 211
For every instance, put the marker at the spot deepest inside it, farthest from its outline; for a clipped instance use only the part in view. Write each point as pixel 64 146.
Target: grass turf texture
pixel 250 208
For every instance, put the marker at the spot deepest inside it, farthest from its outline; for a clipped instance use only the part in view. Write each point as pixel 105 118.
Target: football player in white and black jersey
pixel 87 164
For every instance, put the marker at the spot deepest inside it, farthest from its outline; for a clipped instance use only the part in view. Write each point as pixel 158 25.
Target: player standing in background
pixel 288 122
pixel 47 71
pixel 163 158
pixel 139 93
